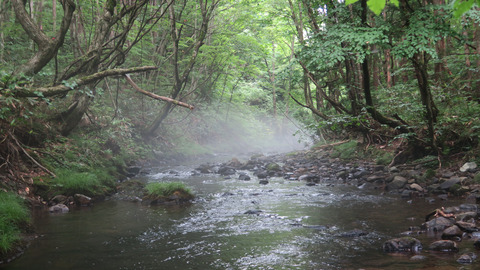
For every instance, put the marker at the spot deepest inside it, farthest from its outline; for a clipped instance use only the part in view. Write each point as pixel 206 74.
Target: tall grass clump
pixel 93 183
pixel 167 189
pixel 13 215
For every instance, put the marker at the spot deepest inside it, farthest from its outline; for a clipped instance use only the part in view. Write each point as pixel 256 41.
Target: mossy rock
pixel 273 167
pixel 167 193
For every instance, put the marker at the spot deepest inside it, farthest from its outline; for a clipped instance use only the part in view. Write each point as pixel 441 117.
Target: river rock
pixel 253 212
pixel 133 170
pixel 468 207
pixel 226 170
pixel 438 224
pixel 467 226
pixel 205 168
pixel 263 181
pixel 59 199
pixel 444 246
pixel 418 258
pixel 273 167
pixel 261 174
pixel 469 167
pixel 82 200
pixel 244 177
pixel 235 163
pixel 450 183
pixel 476 244
pixel 397 183
pixel 403 244
pixel 452 232
pixel 406 194
pixel 354 233
pixel 416 187
pixel 467 258
pixel 58 208
pixel 466 216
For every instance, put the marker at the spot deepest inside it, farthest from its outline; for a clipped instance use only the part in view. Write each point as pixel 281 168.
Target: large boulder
pixel 438 224
pixel 398 182
pixel 403 244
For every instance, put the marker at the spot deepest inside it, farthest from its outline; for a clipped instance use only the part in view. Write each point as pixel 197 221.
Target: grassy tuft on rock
pixel 166 189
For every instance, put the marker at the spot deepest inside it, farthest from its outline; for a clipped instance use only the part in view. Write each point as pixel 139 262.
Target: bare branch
pixel 155 96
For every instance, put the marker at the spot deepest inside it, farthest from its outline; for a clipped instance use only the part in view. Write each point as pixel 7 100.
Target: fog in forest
pixel 237 131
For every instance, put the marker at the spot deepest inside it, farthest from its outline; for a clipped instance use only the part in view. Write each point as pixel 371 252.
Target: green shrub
pixel 13 215
pixel 166 189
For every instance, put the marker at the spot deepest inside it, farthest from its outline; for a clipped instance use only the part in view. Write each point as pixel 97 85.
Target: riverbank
pixel 338 163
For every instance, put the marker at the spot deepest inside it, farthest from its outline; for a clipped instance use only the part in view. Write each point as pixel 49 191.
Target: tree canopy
pixel 399 70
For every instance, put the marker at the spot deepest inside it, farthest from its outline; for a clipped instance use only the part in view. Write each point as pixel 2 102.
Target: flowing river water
pixel 296 227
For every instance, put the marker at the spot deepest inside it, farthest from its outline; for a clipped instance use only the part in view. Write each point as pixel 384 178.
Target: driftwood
pixel 155 96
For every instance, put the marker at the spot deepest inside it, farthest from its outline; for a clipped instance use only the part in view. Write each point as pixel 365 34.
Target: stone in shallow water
pixel 467 258
pixel 444 246
pixel 439 224
pixel 58 208
pixel 403 244
pixel 418 258
pixel 253 212
pixel 452 232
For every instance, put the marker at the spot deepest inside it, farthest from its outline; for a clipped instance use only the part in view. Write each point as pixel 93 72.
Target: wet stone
pixel 452 232
pixel 450 183
pixel 253 212
pixel 418 258
pixel 263 182
pixel 444 246
pixel 467 258
pixel 467 226
pixel 354 233
pixel 403 244
pixel 244 177
pixel 438 224
pixel 58 208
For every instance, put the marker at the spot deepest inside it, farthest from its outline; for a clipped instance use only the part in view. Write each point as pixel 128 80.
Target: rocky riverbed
pixel 445 228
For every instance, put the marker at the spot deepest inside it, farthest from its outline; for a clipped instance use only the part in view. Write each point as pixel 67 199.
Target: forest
pixel 89 88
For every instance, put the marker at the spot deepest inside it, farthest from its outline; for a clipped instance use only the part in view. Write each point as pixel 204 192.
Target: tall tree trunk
pixel 47 47
pixel 420 63
pixel 366 87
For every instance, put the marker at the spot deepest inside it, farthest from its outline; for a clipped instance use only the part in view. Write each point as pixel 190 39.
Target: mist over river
pixel 234 224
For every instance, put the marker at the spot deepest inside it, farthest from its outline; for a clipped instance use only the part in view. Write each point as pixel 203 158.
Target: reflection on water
pixel 298 227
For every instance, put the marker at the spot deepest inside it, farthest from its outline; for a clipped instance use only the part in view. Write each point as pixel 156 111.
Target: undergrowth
pixel 13 215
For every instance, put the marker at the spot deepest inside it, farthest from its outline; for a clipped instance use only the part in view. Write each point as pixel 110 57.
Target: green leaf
pixel 376 5
pixel 460 7
pixel 348 2
pixel 395 2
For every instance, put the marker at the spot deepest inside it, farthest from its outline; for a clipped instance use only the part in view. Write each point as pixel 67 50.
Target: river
pixel 296 227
